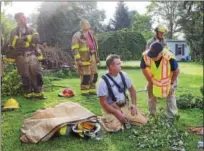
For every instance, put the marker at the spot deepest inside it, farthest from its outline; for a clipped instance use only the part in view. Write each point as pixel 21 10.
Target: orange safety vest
pixel 161 75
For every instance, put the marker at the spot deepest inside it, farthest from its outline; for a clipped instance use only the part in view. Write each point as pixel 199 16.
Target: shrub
pixel 11 82
pixel 129 45
pixel 186 101
pixel 12 85
pixel 62 73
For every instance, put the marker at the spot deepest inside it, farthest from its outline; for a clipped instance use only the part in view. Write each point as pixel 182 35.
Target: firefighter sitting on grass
pixel 118 112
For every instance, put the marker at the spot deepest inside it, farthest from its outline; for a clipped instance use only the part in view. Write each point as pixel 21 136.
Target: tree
pixel 167 13
pixel 32 19
pixel 143 25
pixel 58 21
pixel 128 44
pixel 7 21
pixel 4 5
pixel 192 25
pixel 121 18
pixel 7 25
pixel 132 14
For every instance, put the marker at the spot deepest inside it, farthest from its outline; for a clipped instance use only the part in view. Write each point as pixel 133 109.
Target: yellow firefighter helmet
pixel 10 104
pixel 160 29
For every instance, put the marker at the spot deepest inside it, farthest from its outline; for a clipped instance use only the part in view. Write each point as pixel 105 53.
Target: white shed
pixel 180 49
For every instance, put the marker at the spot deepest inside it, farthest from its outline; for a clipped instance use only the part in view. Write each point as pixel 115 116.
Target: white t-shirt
pixel 102 89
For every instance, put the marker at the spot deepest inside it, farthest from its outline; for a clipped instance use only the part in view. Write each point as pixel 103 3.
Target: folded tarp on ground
pixel 44 123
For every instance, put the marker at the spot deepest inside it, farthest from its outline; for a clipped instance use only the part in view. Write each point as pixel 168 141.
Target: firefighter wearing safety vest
pixel 85 50
pixel 23 42
pixel 160 69
pixel 159 32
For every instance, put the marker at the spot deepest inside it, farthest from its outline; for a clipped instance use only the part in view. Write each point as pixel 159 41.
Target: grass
pixel 190 81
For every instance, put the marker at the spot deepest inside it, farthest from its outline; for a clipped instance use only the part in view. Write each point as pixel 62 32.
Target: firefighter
pixel 23 41
pixel 159 32
pixel 85 49
pixel 118 110
pixel 161 70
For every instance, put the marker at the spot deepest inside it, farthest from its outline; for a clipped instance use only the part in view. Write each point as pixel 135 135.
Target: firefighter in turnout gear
pixel 161 70
pixel 159 32
pixel 23 43
pixel 85 50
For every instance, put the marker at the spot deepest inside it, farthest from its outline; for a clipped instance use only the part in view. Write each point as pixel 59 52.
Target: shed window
pixel 180 49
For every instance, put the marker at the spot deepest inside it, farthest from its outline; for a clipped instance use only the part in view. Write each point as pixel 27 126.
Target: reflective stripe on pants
pixel 88 76
pixel 28 67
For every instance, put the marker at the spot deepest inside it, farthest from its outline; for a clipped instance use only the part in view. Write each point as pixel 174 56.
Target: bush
pixel 129 45
pixel 12 85
pixel 186 101
pixel 11 82
pixel 62 73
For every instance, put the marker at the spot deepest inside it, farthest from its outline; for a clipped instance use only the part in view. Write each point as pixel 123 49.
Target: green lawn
pixel 190 81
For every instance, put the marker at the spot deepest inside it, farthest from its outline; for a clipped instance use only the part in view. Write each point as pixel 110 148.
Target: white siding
pixel 172 47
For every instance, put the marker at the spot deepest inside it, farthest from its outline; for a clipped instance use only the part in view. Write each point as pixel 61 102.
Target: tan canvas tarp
pixel 44 123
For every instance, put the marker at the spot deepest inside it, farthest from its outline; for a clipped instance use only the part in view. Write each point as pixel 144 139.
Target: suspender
pixel 121 90
pixel 123 80
pixel 109 88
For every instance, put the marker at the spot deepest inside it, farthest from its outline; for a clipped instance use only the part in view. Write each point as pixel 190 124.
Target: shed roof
pixel 169 40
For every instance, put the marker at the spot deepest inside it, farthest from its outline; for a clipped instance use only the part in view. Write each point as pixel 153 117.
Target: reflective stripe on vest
pixel 161 76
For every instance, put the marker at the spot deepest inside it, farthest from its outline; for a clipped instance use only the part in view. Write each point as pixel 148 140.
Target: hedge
pixel 129 45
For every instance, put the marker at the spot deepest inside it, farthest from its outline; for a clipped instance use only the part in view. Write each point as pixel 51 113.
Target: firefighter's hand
pixel 120 116
pixel 133 109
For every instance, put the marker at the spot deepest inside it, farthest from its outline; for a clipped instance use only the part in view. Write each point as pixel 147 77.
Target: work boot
pixel 39 96
pixel 85 92
pixel 92 91
pixel 28 96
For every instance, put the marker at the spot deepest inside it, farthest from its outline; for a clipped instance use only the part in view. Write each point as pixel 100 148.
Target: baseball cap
pixel 155 49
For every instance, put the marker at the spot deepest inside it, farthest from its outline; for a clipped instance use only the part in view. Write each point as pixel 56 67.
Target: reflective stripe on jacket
pixel 80 47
